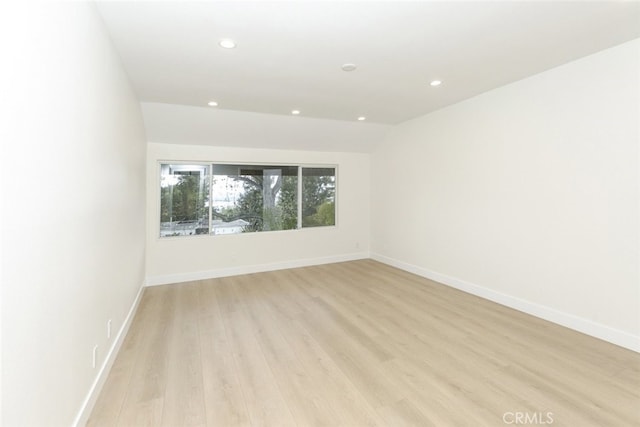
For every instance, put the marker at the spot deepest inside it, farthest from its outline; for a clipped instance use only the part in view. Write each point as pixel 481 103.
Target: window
pixel 318 197
pixel 233 198
pixel 184 196
pixel 254 198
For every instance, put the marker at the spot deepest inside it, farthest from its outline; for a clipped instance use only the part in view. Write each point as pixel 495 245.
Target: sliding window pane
pixel 184 199
pixel 250 198
pixel 318 197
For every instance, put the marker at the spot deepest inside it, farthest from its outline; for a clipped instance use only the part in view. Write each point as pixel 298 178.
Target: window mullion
pixel 299 225
pixel 210 198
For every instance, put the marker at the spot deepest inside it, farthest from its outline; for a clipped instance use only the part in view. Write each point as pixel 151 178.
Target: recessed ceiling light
pixel 349 67
pixel 362 118
pixel 295 112
pixel 436 83
pixel 212 104
pixel 227 43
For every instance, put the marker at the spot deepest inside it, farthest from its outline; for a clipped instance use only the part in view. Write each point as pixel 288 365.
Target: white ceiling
pixel 180 124
pixel 289 54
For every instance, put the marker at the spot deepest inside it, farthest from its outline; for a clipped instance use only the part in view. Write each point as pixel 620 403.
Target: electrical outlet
pixel 109 329
pixel 95 355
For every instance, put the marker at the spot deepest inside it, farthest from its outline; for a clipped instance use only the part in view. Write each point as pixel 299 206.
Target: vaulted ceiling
pixel 289 55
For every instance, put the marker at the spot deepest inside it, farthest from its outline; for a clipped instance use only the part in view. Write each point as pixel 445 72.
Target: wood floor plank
pixel 344 397
pixel 306 402
pixel 263 399
pixel 405 413
pixel 144 402
pixel 355 344
pixel 223 398
pixel 184 383
pixel 359 364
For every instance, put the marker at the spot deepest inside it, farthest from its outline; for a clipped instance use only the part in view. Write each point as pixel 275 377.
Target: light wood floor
pixel 356 344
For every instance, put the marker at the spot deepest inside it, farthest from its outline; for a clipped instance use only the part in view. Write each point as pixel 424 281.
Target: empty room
pixel 320 213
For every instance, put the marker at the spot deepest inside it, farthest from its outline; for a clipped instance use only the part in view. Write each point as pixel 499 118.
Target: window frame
pixel 211 164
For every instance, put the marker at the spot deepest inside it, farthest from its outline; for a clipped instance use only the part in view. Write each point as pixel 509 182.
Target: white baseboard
pixel 585 326
pixel 96 387
pixel 248 269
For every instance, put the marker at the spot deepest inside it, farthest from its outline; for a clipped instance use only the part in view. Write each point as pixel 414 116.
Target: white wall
pixel 73 229
pixel 187 258
pixel 527 194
